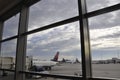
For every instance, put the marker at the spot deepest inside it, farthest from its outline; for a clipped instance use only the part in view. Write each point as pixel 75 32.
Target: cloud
pixel 11 27
pixel 105 20
pixel 114 35
pixel 99 4
pixel 95 4
pixel 104 29
pixel 46 12
pixel 105 38
pixel 9 48
pixel 105 32
pixel 63 38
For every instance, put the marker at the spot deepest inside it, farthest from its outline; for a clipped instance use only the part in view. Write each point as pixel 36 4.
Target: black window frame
pixel 84 30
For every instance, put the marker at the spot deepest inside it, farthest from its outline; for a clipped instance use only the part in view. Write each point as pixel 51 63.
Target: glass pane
pixel 105 45
pixel 98 4
pixel 44 78
pixel 11 27
pixel 47 12
pixel 8 53
pixel 55 51
pixel 6 76
pixel 7 59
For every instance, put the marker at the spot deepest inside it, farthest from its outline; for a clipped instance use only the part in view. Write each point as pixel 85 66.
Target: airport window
pixel 99 4
pixel 8 44
pixel 8 53
pixel 105 46
pixel 10 28
pixel 55 51
pixel 51 36
pixel 46 12
pixel 7 57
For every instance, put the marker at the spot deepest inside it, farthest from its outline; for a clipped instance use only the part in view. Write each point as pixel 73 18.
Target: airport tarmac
pixel 63 69
pixel 99 70
pixel 106 70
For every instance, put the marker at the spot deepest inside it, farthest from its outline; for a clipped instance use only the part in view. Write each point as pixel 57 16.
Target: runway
pixel 99 70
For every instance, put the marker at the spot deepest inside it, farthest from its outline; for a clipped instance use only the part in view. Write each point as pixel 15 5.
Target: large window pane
pixel 7 59
pixel 43 46
pixel 98 4
pixel 50 11
pixel 105 45
pixel 11 27
pixel 8 53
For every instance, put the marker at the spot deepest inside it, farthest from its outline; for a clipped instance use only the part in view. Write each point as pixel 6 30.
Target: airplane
pixel 66 61
pixel 38 65
pixel 42 66
pixel 70 61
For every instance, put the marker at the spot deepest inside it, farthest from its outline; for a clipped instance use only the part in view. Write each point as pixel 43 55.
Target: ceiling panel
pixel 5 5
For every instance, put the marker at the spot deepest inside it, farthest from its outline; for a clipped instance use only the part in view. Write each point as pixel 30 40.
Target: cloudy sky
pixel 104 30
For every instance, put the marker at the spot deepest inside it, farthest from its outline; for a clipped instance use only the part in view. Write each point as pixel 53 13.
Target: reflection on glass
pixel 105 45
pixel 99 4
pixel 8 51
pixel 47 12
pixel 55 51
pixel 11 27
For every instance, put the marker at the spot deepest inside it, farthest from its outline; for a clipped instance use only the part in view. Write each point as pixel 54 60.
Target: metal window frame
pixel 70 20
pixel 60 76
pixel 21 44
pixel 1 32
pixel 102 11
pixel 1 29
pixel 85 42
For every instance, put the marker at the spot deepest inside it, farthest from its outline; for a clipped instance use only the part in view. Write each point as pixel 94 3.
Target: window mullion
pixel 85 41
pixel 21 44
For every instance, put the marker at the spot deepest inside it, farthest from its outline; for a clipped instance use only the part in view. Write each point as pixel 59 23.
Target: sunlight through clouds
pixel 107 37
pixel 65 38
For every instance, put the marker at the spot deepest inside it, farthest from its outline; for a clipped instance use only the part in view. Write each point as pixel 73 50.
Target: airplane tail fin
pixel 56 57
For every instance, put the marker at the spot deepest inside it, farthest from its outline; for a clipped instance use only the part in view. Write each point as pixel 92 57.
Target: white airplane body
pixel 38 65
pixel 44 63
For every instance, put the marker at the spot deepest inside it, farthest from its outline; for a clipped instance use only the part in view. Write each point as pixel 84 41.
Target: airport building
pixel 77 29
pixel 108 61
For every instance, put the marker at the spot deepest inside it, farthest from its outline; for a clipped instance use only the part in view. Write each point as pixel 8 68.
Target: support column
pixel 85 41
pixel 1 29
pixel 21 44
pixel 1 32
